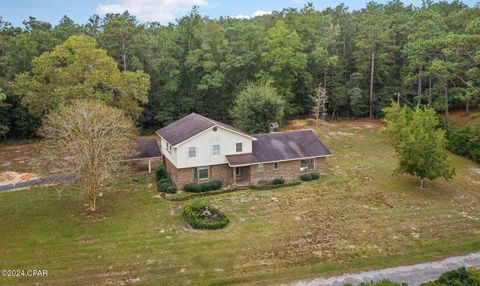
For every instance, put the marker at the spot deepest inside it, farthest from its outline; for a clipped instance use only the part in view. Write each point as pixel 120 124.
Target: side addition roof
pixel 189 126
pixel 281 146
pixel 145 148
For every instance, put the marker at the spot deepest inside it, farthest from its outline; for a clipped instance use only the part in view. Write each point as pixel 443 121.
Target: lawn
pixel 357 217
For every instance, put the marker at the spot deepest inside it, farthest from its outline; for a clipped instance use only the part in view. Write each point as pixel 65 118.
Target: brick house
pixel 197 149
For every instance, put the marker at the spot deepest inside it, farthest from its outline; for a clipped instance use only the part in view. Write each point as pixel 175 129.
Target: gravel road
pixel 412 274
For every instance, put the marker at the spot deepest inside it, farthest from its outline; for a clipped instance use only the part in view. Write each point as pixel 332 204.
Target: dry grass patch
pixel 358 216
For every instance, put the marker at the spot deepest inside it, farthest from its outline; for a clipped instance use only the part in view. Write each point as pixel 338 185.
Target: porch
pixel 241 176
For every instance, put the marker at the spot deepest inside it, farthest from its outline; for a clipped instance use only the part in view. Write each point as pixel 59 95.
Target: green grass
pixel 357 217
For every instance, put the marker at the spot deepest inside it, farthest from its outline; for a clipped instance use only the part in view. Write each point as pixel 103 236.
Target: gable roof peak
pixel 191 125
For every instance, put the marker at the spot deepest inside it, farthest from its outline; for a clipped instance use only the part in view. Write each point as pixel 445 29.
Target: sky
pixel 163 11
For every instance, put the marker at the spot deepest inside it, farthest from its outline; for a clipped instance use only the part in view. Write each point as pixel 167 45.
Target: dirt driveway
pixel 411 274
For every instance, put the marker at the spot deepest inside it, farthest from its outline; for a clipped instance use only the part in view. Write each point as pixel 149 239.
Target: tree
pixel 118 29
pixel 373 39
pixel 77 69
pixel 284 59
pixel 87 139
pixel 256 107
pixel 320 100
pixel 419 143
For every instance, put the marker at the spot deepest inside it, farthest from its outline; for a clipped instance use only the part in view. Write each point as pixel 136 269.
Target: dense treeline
pixel 428 54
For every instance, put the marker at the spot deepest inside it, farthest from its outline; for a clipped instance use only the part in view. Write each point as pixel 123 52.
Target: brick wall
pixel 181 177
pixel 288 170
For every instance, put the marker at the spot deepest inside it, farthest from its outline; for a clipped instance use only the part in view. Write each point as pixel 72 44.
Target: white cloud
pixel 254 14
pixel 163 11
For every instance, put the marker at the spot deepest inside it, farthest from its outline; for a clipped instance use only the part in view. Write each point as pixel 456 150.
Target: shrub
pixel 306 177
pixel 161 173
pixel 195 188
pixel 278 181
pixel 200 215
pixel 459 277
pixel 465 141
pixel 163 187
pixel 164 180
pixel 475 273
pixel 171 190
pixel 310 177
pixel 205 187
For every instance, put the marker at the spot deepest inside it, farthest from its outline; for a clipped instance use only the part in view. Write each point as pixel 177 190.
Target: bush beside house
pixel 163 183
pixel 310 177
pixel 205 187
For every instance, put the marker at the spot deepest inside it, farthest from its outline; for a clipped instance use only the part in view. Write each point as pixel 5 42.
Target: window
pixel 239 147
pixel 192 152
pixel 260 168
pixel 169 147
pixel 306 165
pixel 202 173
pixel 216 149
pixel 275 166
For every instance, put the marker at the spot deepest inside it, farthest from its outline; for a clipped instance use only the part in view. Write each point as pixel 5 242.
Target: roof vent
pixel 273 127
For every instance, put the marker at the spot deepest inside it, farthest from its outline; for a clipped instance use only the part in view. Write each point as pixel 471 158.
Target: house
pixel 197 149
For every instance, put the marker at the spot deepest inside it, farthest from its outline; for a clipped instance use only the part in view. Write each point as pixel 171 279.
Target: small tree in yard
pixel 320 100
pixel 256 106
pixel 419 143
pixel 87 139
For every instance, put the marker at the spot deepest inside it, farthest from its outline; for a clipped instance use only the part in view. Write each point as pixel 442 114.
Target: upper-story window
pixel 239 147
pixel 169 147
pixel 216 149
pixel 192 152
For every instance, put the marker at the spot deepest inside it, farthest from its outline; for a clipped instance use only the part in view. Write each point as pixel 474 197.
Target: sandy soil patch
pixel 15 177
pixel 339 134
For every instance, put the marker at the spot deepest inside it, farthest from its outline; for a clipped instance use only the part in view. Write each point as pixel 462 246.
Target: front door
pixel 239 172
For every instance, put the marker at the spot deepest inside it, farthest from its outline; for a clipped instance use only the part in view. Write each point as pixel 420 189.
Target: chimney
pixel 273 127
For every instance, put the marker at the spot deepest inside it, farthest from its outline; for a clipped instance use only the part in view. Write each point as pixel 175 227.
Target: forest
pixel 426 55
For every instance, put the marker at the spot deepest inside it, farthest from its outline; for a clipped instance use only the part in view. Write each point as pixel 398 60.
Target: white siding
pixel 172 157
pixel 203 143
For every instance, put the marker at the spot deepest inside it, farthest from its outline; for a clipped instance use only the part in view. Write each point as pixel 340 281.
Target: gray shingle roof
pixel 281 146
pixel 145 148
pixel 189 126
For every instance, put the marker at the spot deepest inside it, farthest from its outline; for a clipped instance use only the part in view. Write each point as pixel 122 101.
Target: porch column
pixel 234 169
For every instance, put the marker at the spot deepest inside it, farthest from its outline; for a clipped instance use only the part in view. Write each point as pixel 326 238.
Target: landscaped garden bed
pixel 200 215
pixel 276 183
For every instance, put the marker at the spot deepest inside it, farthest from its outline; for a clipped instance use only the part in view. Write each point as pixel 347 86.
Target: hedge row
pixel 200 215
pixel 205 187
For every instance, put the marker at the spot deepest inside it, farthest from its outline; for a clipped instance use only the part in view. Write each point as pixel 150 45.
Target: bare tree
pixel 87 139
pixel 320 100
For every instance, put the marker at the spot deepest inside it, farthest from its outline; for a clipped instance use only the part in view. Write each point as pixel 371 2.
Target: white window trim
pixel 198 173
pixel 213 149
pixel 241 147
pixel 278 166
pixel 195 150
pixel 307 169
pixel 260 168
